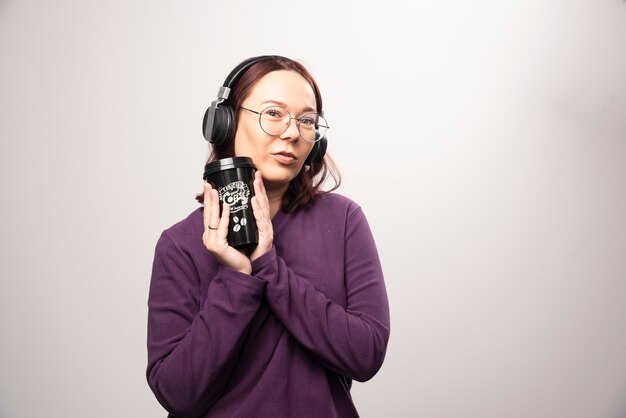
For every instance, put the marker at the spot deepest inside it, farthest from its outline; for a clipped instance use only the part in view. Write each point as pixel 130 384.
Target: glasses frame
pixel 289 122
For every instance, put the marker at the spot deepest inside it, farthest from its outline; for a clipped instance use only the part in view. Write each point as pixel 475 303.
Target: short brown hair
pixel 307 185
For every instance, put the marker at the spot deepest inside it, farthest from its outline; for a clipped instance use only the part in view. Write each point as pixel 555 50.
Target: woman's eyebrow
pixel 281 104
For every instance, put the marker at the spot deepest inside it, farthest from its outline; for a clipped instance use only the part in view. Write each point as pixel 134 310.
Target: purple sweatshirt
pixel 286 341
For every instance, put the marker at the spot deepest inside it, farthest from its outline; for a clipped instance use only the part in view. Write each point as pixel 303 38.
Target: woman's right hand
pixel 216 230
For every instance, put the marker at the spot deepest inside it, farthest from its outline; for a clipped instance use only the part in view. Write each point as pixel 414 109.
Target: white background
pixel 485 140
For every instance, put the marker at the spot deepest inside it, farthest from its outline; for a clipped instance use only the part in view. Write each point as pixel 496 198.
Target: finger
pixel 260 211
pixel 258 179
pixel 259 189
pixel 207 204
pixel 214 211
pixel 256 208
pixel 222 229
pixel 261 216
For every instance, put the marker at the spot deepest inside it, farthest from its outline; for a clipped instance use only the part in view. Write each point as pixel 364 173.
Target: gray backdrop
pixel 485 141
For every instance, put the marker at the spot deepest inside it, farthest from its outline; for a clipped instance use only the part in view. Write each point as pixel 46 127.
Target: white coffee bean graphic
pixel 238 223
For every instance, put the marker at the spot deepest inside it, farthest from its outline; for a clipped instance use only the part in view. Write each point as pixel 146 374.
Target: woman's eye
pixel 308 122
pixel 274 113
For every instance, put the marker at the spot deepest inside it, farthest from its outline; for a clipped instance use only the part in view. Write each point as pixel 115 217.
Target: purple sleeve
pixel 351 341
pixel 193 340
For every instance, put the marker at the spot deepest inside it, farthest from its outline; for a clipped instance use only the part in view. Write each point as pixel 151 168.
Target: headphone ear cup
pixel 321 151
pixel 207 135
pixel 223 124
pixel 316 156
pixel 311 156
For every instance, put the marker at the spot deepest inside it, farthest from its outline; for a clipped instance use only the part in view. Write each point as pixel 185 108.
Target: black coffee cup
pixel 233 179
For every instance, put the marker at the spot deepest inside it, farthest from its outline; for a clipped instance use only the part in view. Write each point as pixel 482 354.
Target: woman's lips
pixel 284 157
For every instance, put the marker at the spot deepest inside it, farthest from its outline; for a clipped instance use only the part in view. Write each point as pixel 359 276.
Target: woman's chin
pixel 277 178
pixel 278 170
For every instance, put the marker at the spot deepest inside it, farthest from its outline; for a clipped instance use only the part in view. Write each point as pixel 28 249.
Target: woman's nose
pixel 292 132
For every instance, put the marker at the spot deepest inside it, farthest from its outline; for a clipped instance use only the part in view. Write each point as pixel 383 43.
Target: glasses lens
pixel 274 120
pixel 312 127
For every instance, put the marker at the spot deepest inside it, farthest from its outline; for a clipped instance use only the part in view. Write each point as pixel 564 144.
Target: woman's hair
pixel 307 185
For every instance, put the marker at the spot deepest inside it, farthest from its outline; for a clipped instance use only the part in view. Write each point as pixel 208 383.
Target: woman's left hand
pixel 262 216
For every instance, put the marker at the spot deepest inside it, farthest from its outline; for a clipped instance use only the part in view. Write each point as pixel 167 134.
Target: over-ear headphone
pixel 219 126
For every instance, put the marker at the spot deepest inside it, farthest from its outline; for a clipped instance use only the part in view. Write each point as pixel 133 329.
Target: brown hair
pixel 307 185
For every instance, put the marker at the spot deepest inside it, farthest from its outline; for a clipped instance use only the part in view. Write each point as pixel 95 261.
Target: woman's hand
pixel 216 230
pixel 262 216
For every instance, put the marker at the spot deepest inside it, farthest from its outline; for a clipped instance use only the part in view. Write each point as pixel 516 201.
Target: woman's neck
pixel 275 197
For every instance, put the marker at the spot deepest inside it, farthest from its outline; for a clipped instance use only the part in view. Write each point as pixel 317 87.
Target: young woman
pixel 284 331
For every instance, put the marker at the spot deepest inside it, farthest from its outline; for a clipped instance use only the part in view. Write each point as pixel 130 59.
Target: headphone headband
pixel 243 67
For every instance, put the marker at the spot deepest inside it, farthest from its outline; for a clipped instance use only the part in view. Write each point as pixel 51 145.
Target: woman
pixel 284 331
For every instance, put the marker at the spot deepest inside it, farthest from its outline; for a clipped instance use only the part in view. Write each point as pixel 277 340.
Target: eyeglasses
pixel 275 120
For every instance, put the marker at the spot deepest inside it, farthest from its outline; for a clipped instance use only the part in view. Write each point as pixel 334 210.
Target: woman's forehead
pixel 283 87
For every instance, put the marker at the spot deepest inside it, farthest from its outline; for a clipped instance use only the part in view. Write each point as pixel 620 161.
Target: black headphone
pixel 218 125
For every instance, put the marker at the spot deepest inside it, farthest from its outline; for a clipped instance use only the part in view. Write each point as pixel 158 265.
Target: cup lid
pixel 226 164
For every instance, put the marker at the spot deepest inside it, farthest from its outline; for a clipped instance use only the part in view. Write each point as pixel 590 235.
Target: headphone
pixel 219 126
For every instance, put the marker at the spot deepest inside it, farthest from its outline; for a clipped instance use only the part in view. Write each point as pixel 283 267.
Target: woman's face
pixel 278 157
